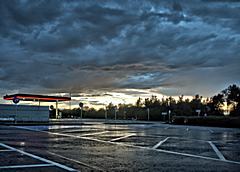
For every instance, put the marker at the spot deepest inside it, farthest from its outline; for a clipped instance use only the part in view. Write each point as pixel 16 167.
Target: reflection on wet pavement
pixel 126 147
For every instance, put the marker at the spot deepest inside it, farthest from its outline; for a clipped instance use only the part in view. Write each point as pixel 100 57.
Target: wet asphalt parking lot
pixel 94 145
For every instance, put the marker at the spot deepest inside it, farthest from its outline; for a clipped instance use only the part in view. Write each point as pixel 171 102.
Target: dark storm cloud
pixel 18 17
pixel 73 46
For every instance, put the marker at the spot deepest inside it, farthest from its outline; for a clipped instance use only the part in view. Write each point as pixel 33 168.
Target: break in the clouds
pixel 170 46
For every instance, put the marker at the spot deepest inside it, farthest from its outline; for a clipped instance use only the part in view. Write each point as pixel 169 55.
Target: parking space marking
pixel 26 166
pixel 6 150
pixel 219 154
pixel 38 158
pixel 182 138
pixel 81 130
pixel 147 148
pixel 123 137
pixel 93 134
pixel 78 162
pixel 211 131
pixel 27 128
pixel 140 147
pixel 224 141
pixel 160 143
pixel 177 153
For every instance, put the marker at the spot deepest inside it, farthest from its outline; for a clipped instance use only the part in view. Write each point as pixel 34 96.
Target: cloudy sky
pixel 119 48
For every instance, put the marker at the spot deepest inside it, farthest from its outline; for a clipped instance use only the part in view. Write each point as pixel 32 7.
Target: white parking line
pixel 219 154
pixel 38 158
pixel 27 128
pixel 172 152
pixel 211 131
pixel 123 137
pixel 182 138
pixel 81 130
pixel 140 147
pixel 224 141
pixel 81 163
pixel 147 148
pixel 159 143
pixel 26 166
pixel 93 134
pixel 6 150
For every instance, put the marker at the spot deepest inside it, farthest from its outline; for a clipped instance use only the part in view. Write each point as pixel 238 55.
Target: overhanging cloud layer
pixel 174 47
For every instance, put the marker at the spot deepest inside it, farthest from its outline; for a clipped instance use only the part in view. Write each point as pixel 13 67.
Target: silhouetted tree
pixel 214 106
pixel 196 104
pixel 111 110
pixel 183 107
pixel 139 102
pixel 232 96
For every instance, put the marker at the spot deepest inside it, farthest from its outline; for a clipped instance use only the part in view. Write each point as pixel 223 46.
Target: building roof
pixel 35 97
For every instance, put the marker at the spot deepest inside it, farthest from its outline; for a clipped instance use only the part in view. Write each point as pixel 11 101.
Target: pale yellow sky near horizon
pixel 101 100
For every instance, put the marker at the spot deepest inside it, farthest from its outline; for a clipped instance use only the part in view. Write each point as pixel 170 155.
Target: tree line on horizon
pixel 159 109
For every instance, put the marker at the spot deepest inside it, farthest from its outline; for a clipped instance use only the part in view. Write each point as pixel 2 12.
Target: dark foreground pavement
pixel 96 146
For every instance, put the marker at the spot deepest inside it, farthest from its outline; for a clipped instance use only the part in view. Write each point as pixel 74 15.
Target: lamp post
pixel 148 111
pixel 16 101
pixel 169 110
pixel 106 109
pixel 56 109
pixel 115 113
pixel 81 106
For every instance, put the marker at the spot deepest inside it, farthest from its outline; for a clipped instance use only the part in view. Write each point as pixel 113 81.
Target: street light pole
pixel 81 112
pixel 115 113
pixel 70 103
pixel 169 110
pixel 169 116
pixel 81 106
pixel 56 109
